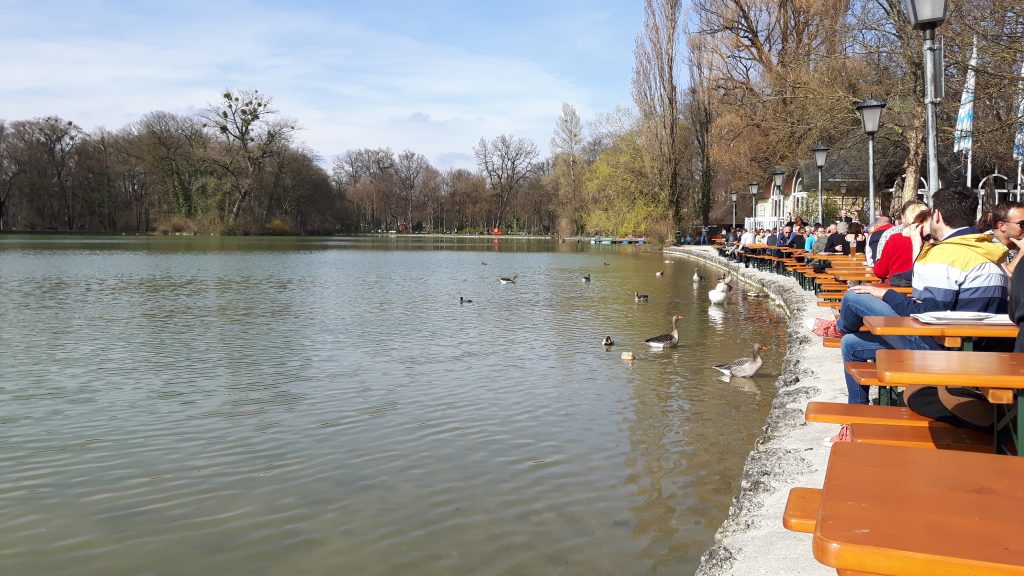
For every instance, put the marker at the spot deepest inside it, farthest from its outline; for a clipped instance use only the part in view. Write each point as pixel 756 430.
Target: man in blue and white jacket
pixel 961 271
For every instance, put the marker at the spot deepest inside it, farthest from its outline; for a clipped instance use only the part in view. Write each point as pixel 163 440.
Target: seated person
pixel 836 242
pixel 962 271
pixel 895 251
pixel 855 238
pixel 882 223
pixel 1006 224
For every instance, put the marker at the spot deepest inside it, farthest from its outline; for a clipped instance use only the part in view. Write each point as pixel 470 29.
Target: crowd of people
pixel 951 262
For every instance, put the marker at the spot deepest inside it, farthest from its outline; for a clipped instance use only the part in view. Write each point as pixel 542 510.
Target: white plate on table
pixel 954 316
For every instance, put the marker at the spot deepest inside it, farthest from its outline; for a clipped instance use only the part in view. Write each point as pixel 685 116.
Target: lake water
pixel 280 406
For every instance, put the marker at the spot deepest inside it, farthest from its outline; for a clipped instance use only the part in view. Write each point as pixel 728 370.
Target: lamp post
pixel 732 195
pixel 871 115
pixel 842 196
pixel 820 152
pixel 926 16
pixel 778 175
pixel 754 188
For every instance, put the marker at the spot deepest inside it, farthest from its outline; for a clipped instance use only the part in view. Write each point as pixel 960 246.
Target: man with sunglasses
pixel 1008 228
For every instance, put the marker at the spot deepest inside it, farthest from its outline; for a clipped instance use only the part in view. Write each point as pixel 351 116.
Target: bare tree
pixel 249 140
pixel 506 162
pixel 656 95
pixel 410 170
pixel 567 144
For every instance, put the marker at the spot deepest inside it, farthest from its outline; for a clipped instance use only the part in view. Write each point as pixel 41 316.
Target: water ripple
pixel 325 406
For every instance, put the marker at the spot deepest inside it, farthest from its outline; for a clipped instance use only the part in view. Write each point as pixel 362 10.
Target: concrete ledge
pixel 789 452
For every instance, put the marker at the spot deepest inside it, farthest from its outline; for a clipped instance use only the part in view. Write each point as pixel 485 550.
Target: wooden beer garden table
pixel 908 326
pixel 900 511
pixel 991 371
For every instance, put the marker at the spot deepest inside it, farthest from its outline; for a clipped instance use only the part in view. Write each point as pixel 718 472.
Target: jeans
pixel 861 346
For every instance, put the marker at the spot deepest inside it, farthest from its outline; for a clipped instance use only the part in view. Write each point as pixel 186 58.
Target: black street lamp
pixel 871 116
pixel 926 16
pixel 820 153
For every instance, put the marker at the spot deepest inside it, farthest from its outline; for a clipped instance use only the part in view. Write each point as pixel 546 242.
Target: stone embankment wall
pixel 789 451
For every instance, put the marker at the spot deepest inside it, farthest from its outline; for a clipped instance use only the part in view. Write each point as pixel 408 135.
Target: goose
pixel 697 277
pixel 659 272
pixel 511 280
pixel 464 300
pixel 586 277
pixel 640 297
pixel 718 295
pixel 608 341
pixel 744 367
pixel 666 340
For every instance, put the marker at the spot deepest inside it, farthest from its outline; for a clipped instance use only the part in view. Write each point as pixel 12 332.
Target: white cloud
pixel 347 86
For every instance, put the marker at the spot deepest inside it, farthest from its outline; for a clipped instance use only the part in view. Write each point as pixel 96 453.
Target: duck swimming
pixel 608 341
pixel 511 280
pixel 464 300
pixel 669 340
pixel 640 297
pixel 659 273
pixel 586 277
pixel 744 367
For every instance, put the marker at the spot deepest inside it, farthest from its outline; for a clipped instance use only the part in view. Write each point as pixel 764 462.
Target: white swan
pixel 666 340
pixel 719 294
pixel 744 367
pixel 697 277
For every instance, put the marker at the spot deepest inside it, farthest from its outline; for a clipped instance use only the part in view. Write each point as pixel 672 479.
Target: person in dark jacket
pixel 836 242
pixel 1016 310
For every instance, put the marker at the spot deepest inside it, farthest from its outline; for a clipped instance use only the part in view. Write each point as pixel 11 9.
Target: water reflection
pixel 326 406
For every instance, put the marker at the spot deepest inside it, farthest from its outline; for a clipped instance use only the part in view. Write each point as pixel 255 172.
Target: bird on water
pixel 608 341
pixel 505 280
pixel 669 340
pixel 744 367
pixel 640 297
pixel 464 300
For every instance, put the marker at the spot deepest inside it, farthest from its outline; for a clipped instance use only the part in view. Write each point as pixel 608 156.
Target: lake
pixel 273 406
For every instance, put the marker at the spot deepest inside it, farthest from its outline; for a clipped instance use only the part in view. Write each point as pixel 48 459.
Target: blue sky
pixel 433 76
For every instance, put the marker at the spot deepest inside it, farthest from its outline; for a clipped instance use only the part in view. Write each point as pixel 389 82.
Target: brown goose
pixel 744 367
pixel 669 340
